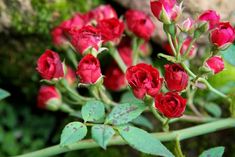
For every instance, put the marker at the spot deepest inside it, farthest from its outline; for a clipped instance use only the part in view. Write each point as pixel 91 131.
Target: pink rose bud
pixel 171 104
pixel 223 35
pixel 86 38
pixel 49 65
pixel 70 75
pixel 215 64
pixel 144 79
pixel 48 98
pixel 166 11
pixel 111 29
pixel 89 69
pixel 139 23
pixel 176 77
pixel 187 25
pixel 211 17
pixel 102 12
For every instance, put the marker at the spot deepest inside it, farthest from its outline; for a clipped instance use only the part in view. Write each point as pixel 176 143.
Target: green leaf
pixel 73 132
pixel 143 141
pixel 124 113
pixel 93 111
pixel 229 54
pixel 143 121
pixel 102 134
pixel 3 94
pixel 128 97
pixel 213 152
pixel 214 109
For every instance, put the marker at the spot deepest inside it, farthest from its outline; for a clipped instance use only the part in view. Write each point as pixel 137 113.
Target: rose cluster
pixel 145 80
pixel 88 34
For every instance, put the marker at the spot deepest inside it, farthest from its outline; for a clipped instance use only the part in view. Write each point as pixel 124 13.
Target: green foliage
pixel 213 152
pixel 214 109
pixel 3 94
pixel 73 132
pixel 102 134
pixel 124 113
pixel 229 54
pixel 93 111
pixel 143 121
pixel 143 141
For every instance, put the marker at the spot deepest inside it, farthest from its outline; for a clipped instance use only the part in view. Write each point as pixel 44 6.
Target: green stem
pixel 135 46
pixel 186 54
pixel 156 114
pixel 178 149
pixel 117 140
pixel 212 88
pixel 115 54
pixel 188 70
pixel 171 44
pixel 72 57
pixel 194 119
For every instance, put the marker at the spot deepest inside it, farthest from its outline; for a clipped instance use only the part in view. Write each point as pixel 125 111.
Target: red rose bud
pixel 187 25
pixel 183 49
pixel 144 79
pixel 103 12
pixel 49 65
pixel 111 29
pixel 166 11
pixel 76 22
pixel 58 37
pixel 89 69
pixel 48 98
pixel 215 64
pixel 171 104
pixel 223 35
pixel 139 23
pixel 114 78
pixel 70 75
pixel 176 77
pixel 85 38
pixel 211 17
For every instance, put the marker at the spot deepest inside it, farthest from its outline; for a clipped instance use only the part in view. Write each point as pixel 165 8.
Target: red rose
pixel 165 11
pixel 70 75
pixel 211 17
pixel 85 38
pixel 103 12
pixel 139 23
pixel 176 77
pixel 48 97
pixel 183 49
pixel 49 65
pixel 58 37
pixel 215 64
pixel 114 78
pixel 111 29
pixel 125 51
pixel 144 79
pixel 89 69
pixel 76 22
pixel 170 105
pixel 223 35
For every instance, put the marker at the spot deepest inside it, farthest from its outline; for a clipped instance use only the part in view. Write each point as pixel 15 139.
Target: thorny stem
pixel 117 140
